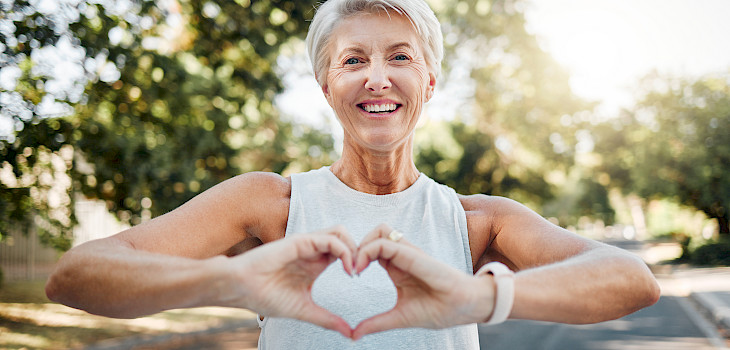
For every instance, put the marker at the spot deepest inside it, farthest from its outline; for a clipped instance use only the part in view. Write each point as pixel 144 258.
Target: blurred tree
pixel 675 144
pixel 581 197
pixel 174 97
pixel 520 118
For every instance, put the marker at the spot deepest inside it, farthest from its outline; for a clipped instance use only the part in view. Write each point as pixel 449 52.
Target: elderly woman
pixel 446 260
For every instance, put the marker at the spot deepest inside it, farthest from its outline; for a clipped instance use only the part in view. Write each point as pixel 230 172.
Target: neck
pixel 377 172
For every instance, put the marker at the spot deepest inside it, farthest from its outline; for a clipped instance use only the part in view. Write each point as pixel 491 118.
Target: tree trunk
pixel 724 223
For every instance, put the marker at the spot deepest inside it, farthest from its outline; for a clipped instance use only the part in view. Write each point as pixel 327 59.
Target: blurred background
pixel 610 118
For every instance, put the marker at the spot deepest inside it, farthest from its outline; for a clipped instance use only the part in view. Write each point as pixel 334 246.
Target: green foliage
pixel 713 254
pixel 175 100
pixel 522 119
pixel 39 159
pixel 675 144
pixel 581 197
pixel 706 253
pixel 473 165
pixel 25 292
pixel 668 218
pixel 178 123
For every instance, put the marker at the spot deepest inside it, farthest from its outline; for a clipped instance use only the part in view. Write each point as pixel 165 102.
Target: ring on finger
pixel 395 235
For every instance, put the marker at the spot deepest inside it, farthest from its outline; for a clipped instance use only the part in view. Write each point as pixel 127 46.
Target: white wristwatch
pixel 505 280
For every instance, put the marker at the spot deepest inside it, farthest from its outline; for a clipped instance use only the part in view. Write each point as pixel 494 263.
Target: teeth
pixel 387 107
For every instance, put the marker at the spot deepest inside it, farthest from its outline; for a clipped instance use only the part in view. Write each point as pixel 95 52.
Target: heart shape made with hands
pixel 428 293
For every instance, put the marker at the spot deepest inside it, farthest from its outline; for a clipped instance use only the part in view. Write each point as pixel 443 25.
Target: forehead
pixel 374 31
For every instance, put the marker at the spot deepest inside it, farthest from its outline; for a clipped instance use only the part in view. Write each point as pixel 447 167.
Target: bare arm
pixel 109 277
pixel 174 260
pixel 561 277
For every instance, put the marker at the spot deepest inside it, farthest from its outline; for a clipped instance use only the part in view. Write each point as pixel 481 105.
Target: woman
pixel 377 64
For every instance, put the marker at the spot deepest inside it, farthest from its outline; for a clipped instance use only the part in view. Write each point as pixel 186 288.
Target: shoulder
pixel 496 211
pixel 483 211
pixel 255 188
pixel 270 185
pixel 494 206
pixel 263 201
pixel 486 218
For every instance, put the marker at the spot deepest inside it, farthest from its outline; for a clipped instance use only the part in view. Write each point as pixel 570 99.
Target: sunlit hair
pixel 332 12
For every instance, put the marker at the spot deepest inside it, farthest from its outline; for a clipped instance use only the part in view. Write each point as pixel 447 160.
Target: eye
pixel 401 57
pixel 352 60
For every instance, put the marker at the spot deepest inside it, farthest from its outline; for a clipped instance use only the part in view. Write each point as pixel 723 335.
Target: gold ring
pixel 395 236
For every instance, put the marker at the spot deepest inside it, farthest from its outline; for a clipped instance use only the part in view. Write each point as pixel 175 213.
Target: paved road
pixel 670 324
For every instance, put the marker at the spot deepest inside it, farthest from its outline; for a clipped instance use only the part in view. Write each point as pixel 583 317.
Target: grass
pixel 29 320
pixel 23 292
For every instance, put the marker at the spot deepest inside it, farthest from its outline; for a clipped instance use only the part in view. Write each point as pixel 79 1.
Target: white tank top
pixel 431 217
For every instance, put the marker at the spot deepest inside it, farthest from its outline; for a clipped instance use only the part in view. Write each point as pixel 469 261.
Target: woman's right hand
pixel 276 279
pixel 431 293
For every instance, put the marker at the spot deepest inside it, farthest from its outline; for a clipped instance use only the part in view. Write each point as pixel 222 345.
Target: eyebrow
pixel 359 50
pixel 404 45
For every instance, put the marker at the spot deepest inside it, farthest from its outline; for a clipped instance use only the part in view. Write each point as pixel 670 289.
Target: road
pixel 670 324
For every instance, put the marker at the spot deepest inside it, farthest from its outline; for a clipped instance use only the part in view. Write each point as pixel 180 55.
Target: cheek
pixel 340 85
pixel 416 84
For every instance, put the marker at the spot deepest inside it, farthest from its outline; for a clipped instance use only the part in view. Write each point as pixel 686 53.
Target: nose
pixel 377 79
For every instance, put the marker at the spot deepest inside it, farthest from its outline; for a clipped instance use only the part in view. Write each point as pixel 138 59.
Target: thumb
pixel 322 317
pixel 391 319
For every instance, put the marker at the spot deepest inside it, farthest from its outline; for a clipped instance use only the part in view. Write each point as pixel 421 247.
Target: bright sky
pixel 607 45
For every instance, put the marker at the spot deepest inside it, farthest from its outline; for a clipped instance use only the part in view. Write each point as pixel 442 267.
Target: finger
pixel 335 247
pixel 405 257
pixel 316 245
pixel 378 323
pixel 380 231
pixel 381 249
pixel 320 316
pixel 341 232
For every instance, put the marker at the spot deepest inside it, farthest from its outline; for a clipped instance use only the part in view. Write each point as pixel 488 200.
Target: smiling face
pixel 378 79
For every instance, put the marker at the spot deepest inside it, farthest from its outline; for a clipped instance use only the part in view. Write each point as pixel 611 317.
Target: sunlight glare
pixel 607 46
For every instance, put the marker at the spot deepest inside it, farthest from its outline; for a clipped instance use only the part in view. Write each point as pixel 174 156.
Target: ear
pixel 431 86
pixel 326 91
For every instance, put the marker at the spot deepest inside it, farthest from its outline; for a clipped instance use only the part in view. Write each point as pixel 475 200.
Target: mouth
pixel 382 108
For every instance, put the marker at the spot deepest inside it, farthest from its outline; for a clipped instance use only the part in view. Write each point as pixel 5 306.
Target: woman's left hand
pixel 276 278
pixel 431 294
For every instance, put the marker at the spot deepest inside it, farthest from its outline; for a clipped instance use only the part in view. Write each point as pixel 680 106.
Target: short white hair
pixel 332 12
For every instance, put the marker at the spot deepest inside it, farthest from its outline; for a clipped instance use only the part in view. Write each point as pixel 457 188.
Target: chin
pixel 381 142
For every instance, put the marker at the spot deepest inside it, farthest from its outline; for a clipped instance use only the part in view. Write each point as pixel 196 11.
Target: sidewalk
pixel 707 288
pixel 241 335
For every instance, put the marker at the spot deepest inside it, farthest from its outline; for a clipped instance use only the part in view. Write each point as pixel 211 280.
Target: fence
pixel 24 257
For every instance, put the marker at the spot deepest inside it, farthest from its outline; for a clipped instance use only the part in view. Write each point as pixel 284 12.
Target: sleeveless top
pixel 430 216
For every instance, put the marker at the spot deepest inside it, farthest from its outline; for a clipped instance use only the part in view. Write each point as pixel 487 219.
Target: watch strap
pixel 504 278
